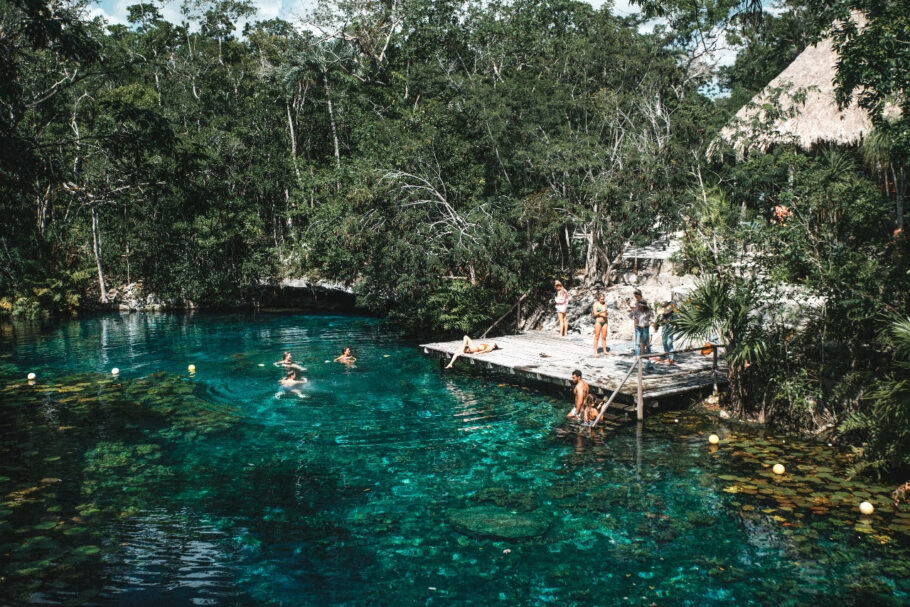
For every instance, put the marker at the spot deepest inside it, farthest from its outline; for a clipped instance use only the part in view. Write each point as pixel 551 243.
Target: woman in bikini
pixel 468 346
pixel 599 312
pixel 562 306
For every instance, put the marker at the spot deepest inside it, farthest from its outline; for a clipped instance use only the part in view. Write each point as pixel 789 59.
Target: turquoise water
pixel 391 483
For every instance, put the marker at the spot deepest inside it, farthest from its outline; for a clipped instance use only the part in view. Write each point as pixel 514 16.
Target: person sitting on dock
pixel 287 362
pixel 345 357
pixel 469 346
pixel 585 409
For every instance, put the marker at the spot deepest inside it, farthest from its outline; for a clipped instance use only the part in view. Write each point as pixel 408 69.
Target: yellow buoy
pixel 115 371
pixel 866 508
pixel 31 376
pixel 778 469
pixel 192 368
pixel 713 439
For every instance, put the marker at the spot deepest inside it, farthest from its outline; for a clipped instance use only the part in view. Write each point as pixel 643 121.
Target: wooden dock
pixel 549 358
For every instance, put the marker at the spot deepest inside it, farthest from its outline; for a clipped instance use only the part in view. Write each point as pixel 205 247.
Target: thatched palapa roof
pixel 798 106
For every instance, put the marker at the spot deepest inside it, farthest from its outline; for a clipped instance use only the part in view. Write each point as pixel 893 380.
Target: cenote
pixel 392 483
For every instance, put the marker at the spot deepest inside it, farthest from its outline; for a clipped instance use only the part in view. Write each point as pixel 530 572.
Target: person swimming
pixel 287 362
pixel 345 357
pixel 290 383
pixel 468 346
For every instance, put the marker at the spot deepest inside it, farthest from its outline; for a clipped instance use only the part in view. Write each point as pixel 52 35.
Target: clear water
pixel 160 487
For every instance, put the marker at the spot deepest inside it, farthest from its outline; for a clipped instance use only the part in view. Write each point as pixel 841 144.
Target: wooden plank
pixel 549 358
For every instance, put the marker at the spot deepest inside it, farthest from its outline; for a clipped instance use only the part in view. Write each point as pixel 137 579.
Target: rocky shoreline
pixel 298 294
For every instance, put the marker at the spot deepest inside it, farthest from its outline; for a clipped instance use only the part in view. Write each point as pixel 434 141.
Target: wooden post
pixel 714 368
pixel 641 400
pixel 638 432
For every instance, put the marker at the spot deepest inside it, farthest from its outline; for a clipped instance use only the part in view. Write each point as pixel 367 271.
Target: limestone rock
pixel 497 523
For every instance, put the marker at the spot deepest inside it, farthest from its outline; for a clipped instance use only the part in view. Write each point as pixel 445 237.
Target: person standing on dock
pixel 599 312
pixel 562 306
pixel 633 309
pixel 666 315
pixel 642 318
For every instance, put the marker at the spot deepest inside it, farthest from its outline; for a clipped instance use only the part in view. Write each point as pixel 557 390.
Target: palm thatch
pixel 799 107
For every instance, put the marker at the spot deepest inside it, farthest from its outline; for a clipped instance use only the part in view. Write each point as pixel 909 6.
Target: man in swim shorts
pixel 584 400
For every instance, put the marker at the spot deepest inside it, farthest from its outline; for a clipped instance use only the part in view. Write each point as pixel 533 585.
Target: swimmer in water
pixel 290 383
pixel 468 346
pixel 287 362
pixel 346 357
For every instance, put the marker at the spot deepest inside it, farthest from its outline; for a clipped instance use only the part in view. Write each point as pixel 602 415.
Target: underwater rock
pixel 497 523
pixel 524 501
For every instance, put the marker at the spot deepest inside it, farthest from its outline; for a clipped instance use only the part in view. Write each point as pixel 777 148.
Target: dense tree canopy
pixel 435 153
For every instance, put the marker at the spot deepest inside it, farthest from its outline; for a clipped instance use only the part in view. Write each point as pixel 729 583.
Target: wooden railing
pixel 639 364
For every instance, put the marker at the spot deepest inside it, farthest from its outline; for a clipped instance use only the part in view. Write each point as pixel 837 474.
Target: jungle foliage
pixel 448 157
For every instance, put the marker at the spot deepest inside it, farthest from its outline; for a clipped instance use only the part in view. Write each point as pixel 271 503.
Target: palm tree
pixel 724 309
pixel 886 425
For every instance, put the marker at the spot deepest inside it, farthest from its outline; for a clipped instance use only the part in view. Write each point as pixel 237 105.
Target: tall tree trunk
pixel 41 211
pixel 293 136
pixel 96 249
pixel 328 99
pixel 592 254
pixel 898 179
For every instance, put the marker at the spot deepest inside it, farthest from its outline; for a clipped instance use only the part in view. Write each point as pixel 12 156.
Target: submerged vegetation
pixel 391 479
pixel 452 157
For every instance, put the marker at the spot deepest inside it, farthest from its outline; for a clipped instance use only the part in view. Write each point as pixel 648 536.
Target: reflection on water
pixel 391 482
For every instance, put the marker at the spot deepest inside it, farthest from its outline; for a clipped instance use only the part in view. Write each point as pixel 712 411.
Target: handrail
pixel 498 320
pixel 603 409
pixel 698 349
pixel 639 363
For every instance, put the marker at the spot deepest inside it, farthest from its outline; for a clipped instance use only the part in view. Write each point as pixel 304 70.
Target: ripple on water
pixel 217 492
